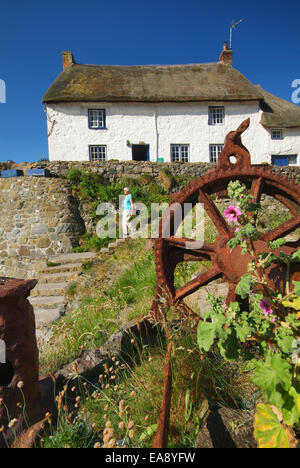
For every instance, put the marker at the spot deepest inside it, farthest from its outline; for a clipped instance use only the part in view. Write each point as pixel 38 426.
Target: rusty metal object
pixel 17 331
pixel 226 263
pixel 161 437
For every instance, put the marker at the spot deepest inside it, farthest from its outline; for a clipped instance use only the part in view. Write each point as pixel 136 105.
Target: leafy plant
pixel 266 333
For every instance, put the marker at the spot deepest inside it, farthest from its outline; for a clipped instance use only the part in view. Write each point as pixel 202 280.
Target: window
pixel 97 118
pixel 276 134
pixel 180 153
pixel 98 153
pixel 214 151
pixel 216 115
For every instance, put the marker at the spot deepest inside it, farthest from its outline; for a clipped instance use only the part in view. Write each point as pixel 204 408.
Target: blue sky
pixel 33 34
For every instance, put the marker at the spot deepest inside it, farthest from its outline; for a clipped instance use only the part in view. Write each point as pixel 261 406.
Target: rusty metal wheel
pixel 228 264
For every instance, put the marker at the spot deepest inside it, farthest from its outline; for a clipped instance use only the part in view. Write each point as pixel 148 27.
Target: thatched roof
pixel 278 113
pixel 154 83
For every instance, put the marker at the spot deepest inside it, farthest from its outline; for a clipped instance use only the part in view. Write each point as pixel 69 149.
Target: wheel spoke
pixel 282 230
pixel 231 296
pixel 290 204
pixel 196 283
pixel 206 250
pixel 293 244
pixel 214 213
pixel 256 189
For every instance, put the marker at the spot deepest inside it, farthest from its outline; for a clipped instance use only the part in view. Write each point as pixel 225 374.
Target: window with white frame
pixel 276 134
pixel 214 151
pixel 97 118
pixel 98 153
pixel 216 115
pixel 180 153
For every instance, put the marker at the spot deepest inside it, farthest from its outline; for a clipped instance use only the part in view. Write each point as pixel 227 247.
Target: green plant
pixel 167 179
pixel 52 264
pixel 86 266
pixel 92 242
pixel 267 332
pixel 72 289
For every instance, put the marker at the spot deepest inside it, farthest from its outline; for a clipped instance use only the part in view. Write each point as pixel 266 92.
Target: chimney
pixel 226 54
pixel 68 59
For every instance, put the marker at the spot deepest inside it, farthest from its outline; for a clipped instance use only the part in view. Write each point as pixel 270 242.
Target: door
pixel 280 160
pixel 140 152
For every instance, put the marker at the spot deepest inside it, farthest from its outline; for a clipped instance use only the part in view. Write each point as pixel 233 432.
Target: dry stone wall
pixel 115 170
pixel 39 217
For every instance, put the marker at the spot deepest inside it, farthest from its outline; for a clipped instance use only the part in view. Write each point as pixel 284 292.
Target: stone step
pixel 45 316
pixel 50 289
pixel 47 302
pixel 120 241
pixel 67 267
pixel 60 277
pixel 72 257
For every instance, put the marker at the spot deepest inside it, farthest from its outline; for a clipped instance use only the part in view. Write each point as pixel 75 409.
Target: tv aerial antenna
pixel 233 26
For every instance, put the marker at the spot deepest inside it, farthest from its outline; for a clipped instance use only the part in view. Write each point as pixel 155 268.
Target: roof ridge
pixel 212 81
pixel 151 65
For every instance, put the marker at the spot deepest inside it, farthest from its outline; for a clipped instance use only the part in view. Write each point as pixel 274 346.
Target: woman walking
pixel 128 211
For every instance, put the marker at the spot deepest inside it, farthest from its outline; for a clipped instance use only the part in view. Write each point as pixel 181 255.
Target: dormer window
pixel 276 134
pixel 97 118
pixel 216 115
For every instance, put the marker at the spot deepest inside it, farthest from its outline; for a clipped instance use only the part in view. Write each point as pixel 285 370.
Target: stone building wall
pixel 160 125
pixel 39 217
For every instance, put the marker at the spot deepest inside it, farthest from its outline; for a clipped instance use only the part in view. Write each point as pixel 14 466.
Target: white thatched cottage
pixel 170 113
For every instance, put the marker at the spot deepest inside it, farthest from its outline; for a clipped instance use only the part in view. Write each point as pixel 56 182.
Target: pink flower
pixel 237 229
pixel 231 213
pixel 265 307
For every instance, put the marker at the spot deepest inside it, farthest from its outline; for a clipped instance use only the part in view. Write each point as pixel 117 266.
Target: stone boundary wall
pixel 115 170
pixel 39 217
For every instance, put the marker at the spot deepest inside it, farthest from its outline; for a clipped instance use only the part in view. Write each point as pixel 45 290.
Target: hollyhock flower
pixel 232 213
pixel 265 307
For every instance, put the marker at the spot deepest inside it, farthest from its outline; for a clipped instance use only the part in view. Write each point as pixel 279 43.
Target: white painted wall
pixel 160 125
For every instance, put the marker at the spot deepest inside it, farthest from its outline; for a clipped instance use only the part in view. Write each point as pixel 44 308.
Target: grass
pixel 90 242
pixel 97 189
pixel 128 397
pixel 104 310
pixel 72 289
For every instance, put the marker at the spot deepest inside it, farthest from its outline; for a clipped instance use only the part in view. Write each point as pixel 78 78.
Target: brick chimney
pixel 68 59
pixel 226 54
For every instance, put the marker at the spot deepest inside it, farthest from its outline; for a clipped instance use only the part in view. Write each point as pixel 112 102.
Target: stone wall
pixel 115 170
pixel 39 217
